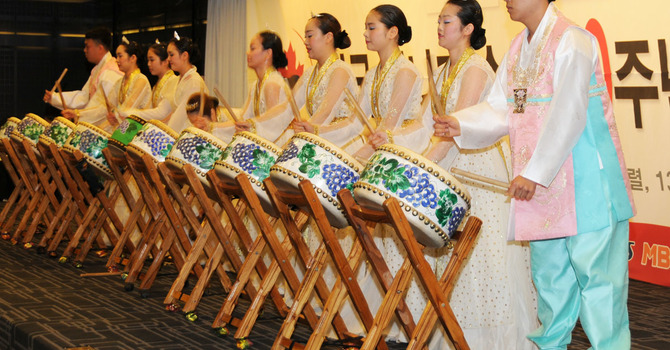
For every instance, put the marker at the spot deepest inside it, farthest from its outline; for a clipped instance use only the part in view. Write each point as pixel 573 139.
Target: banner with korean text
pixel 634 48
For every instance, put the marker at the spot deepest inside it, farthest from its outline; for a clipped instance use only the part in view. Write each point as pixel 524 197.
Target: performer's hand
pixel 68 114
pixel 521 188
pixel 446 126
pixel 377 139
pixel 47 96
pixel 364 153
pixel 303 126
pixel 111 118
pixel 242 126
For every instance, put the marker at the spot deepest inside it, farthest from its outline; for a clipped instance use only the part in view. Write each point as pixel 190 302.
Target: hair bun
pixel 405 36
pixel 478 38
pixel 342 40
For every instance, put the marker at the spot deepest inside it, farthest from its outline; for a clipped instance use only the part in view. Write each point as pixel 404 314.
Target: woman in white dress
pixel 321 88
pixel 493 299
pixel 132 91
pixel 163 92
pixel 265 56
pixel 182 54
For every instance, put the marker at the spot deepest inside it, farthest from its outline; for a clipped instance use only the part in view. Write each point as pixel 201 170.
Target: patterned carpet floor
pixel 47 305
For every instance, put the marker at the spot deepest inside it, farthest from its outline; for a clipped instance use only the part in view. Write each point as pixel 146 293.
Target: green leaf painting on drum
pixel 389 172
pixel 33 131
pixel 59 134
pixel 445 205
pixel 209 154
pixel 96 147
pixel 309 165
pixel 76 139
pixel 263 161
pixel 165 151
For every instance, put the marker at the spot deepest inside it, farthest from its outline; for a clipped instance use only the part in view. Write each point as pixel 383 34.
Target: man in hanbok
pixel 97 43
pixel 571 193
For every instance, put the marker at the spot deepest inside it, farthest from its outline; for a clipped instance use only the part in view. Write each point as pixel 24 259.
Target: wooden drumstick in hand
pixel 57 84
pixel 60 93
pixel 359 112
pixel 480 178
pixel 434 96
pixel 291 100
pixel 226 105
pixel 202 102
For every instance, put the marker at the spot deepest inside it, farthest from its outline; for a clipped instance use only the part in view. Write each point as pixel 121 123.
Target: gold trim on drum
pixel 318 190
pixel 67 122
pixel 205 135
pixel 37 118
pixel 14 119
pixel 409 209
pixel 45 140
pixel 432 168
pixel 259 141
pixel 95 128
pixel 137 119
pixel 332 149
pixel 222 164
pixel 159 124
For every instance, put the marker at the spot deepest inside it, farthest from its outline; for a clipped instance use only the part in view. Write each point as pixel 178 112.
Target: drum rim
pixel 319 191
pixel 424 163
pixel 13 119
pixel 334 150
pixel 259 140
pixel 137 119
pixel 413 211
pixel 159 124
pixel 37 118
pixel 46 140
pixel 94 128
pixel 221 164
pixel 65 121
pixel 208 137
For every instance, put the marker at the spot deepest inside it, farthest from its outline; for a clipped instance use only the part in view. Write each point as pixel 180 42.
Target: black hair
pixel 160 50
pixel 101 36
pixel 392 16
pixel 193 104
pixel 471 12
pixel 329 24
pixel 270 40
pixel 187 45
pixel 133 48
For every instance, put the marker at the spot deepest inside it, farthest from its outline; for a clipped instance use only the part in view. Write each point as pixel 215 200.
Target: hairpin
pixel 125 40
pixel 176 35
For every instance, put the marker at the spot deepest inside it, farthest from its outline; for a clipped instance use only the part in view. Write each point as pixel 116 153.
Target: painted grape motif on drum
pixel 197 151
pixel 456 218
pixel 31 130
pixel 421 191
pixel 337 177
pixel 288 153
pixel 309 165
pixel 159 142
pixel 58 133
pixel 253 160
pixel 93 144
pixel 7 129
pixel 445 207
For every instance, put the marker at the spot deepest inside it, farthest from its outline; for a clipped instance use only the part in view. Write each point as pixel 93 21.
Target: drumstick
pixel 289 96
pixel 359 112
pixel 60 93
pixel 225 104
pixel 480 178
pixel 434 97
pixel 58 81
pixel 202 102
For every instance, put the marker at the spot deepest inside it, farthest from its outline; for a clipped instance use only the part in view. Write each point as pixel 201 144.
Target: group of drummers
pixel 494 298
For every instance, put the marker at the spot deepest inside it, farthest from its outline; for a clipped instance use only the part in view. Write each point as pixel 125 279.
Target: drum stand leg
pixel 268 275
pixel 346 282
pixel 18 193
